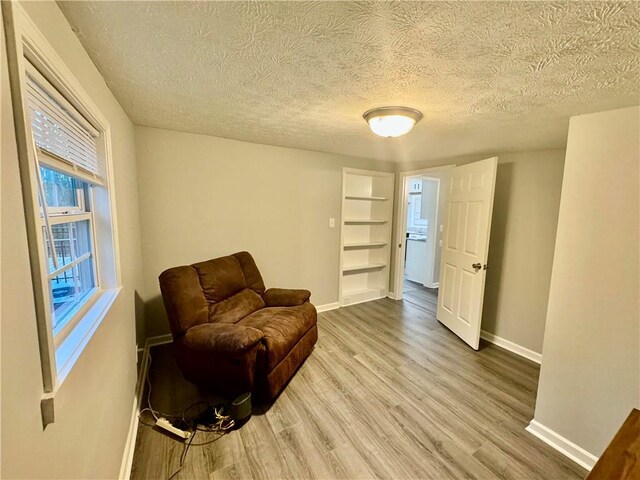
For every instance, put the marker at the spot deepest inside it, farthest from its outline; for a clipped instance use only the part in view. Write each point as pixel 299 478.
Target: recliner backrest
pixel 197 293
pixel 223 277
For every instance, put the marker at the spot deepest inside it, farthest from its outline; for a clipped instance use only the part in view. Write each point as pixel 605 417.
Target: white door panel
pixel 466 247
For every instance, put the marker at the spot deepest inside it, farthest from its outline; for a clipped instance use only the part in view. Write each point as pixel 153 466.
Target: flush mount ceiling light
pixel 392 121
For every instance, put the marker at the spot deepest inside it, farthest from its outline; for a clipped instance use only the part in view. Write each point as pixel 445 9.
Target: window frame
pixel 26 44
pixel 72 214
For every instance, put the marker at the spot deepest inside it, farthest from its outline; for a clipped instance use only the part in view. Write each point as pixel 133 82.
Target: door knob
pixel 477 266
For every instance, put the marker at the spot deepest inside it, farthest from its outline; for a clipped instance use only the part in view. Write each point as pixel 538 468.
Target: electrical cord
pixel 190 444
pixel 156 414
pixel 149 388
pixel 223 423
pixel 143 422
pixel 186 409
pixel 183 457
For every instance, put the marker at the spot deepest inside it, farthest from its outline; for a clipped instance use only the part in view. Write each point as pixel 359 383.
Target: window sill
pixel 69 351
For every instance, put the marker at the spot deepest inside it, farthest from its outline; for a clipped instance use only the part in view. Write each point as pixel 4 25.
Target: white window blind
pixel 65 139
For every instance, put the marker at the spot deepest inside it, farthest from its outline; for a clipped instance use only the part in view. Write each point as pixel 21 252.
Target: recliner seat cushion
pixel 282 328
pixel 236 307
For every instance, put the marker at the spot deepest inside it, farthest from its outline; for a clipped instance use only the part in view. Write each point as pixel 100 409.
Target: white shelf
pixel 365 237
pixel 351 297
pixel 365 245
pixel 358 197
pixel 364 221
pixel 368 266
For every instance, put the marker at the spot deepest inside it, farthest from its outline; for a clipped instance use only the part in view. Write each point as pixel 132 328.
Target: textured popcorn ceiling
pixel 488 76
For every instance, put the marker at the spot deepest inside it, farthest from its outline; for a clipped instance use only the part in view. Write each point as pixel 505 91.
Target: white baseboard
pixel 327 306
pixel 130 445
pixel 561 444
pixel 435 285
pixel 363 297
pixel 392 296
pixel 512 347
pixel 157 340
pixel 127 457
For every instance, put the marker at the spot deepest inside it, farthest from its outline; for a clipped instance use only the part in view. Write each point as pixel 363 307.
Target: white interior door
pixel 463 265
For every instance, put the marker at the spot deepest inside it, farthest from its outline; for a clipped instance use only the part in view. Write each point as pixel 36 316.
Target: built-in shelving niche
pixel 367 211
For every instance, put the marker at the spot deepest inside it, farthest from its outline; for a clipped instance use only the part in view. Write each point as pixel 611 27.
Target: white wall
pixel 525 214
pixel 202 197
pixel 94 405
pixel 590 375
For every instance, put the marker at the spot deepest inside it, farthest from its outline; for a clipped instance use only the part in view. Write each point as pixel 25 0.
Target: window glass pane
pixel 60 190
pixel 81 240
pixel 69 290
pixel 71 240
pixel 415 207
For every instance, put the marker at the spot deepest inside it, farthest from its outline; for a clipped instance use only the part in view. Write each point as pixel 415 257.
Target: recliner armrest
pixel 285 297
pixel 222 337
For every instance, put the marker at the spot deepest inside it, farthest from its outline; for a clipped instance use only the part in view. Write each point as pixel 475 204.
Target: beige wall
pixel 202 197
pixel 224 196
pixel 590 377
pixel 94 405
pixel 523 232
pixel 525 214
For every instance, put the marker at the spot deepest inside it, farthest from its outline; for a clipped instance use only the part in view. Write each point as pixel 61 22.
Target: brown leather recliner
pixel 230 334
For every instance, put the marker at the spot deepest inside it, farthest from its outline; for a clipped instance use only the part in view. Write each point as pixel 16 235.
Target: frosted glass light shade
pixel 391 125
pixel 392 121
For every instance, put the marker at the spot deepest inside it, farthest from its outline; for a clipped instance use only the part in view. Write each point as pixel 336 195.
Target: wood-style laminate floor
pixel 420 295
pixel 388 392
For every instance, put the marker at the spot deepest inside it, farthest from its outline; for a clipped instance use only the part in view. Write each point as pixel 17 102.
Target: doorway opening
pixel 462 240
pixel 422 239
pixel 419 225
